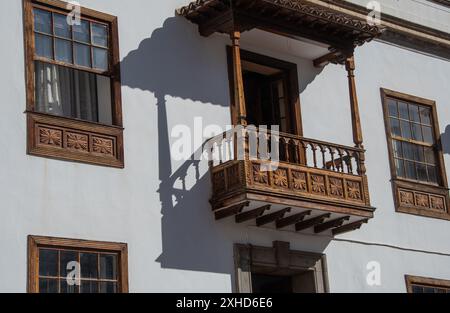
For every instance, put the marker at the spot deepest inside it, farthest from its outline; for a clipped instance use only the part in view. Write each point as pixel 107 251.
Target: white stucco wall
pixel 424 12
pixel 171 75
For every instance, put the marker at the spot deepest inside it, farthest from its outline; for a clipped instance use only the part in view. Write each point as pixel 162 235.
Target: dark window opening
pixel 291 283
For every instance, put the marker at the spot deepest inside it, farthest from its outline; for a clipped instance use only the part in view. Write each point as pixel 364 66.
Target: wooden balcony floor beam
pixel 252 214
pixel 291 220
pixel 231 211
pixel 331 224
pixel 270 218
pixel 349 227
pixel 312 222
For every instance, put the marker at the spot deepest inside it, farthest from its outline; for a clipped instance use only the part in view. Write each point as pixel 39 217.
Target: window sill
pixel 421 199
pixel 74 140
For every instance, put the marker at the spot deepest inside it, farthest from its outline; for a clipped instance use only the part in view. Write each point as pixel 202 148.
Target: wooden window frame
pixel 279 257
pixel 407 192
pixel 426 282
pixel 36 242
pixel 293 91
pixel 102 144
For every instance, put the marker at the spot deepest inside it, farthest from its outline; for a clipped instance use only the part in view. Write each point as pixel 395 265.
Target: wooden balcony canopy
pixel 293 18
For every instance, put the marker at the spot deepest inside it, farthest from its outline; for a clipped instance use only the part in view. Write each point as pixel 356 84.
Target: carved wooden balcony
pixel 316 186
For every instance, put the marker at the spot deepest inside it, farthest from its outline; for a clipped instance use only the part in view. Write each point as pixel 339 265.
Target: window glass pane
pixel 81 32
pixel 392 107
pixel 427 134
pixel 406 129
pixel 66 262
pixel 432 174
pixel 108 287
pixel 416 132
pixel 408 151
pixel 400 168
pixel 108 266
pixel 397 147
pixel 48 285
pixel 105 115
pixel 101 58
pixel 42 21
pixel 430 156
pixel 403 110
pixel 48 262
pixel 66 288
pixel 44 46
pixel 428 290
pixel 72 93
pixel 395 127
pixel 63 50
pixel 89 286
pixel 62 28
pixel 410 170
pixel 417 289
pixel 89 265
pixel 82 55
pixel 414 113
pixel 425 115
pixel 422 172
pixel 418 153
pixel 99 35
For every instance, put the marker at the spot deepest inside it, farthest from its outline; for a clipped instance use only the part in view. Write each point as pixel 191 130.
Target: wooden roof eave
pixel 279 16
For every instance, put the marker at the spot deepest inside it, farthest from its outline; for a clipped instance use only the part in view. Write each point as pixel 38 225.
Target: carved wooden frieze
pixel 259 176
pixel 289 179
pixel 299 181
pixel 103 146
pixel 280 177
pixel 318 184
pixel 79 142
pixel 336 187
pixel 354 190
pixel 62 138
pixel 50 137
pixel 421 200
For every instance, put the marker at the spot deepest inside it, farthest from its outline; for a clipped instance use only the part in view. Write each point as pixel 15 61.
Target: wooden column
pixel 356 120
pixel 239 97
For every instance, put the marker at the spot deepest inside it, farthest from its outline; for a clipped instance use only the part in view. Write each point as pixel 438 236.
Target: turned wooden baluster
pixel 341 158
pixel 286 149
pixel 230 148
pixel 296 151
pixel 333 164
pixel 314 149
pixel 349 162
pixel 324 161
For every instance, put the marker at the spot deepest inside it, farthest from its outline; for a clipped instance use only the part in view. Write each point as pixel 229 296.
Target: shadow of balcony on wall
pixel 445 140
pixel 176 62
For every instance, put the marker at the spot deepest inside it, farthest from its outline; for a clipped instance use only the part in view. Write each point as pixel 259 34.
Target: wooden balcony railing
pixel 273 169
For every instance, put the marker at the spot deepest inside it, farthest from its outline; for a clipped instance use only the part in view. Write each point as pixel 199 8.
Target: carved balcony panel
pixel 75 140
pixel 319 184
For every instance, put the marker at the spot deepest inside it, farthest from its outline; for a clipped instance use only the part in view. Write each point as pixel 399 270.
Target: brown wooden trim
pixel 293 87
pixel 250 259
pixel 62 5
pixel 402 187
pixel 100 144
pixel 356 120
pixel 36 242
pixel 425 281
pixel 114 132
